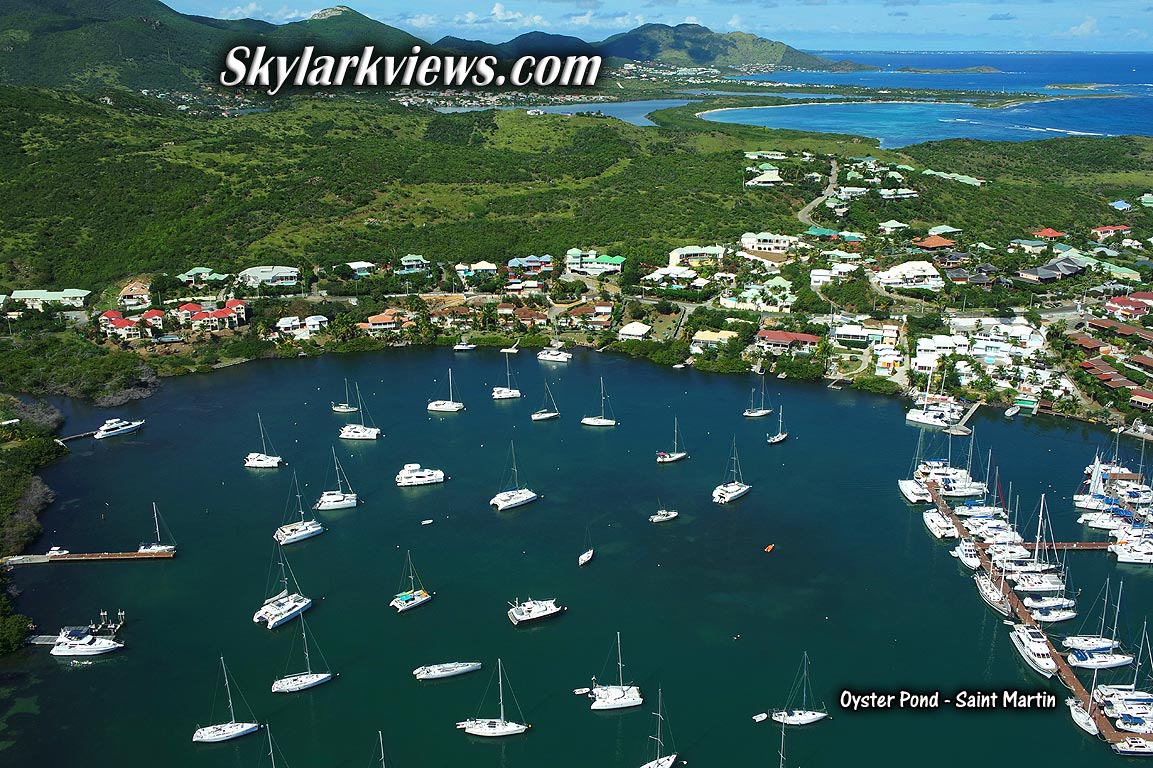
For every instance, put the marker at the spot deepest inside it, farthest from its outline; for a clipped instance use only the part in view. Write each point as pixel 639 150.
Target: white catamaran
pixel 366 431
pixel 507 392
pixel 263 460
pixel 416 594
pixel 343 497
pixel 301 529
pixel 736 487
pixel 617 696
pixel 514 496
pixel 446 406
pixel 282 606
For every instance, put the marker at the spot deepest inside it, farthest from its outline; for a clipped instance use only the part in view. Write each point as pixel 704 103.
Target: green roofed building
pixel 815 231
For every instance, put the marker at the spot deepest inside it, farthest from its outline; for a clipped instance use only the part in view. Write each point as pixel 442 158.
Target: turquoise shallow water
pixel 704 613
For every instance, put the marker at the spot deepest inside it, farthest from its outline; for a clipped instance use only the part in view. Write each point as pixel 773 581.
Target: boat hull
pixel 491 728
pixel 585 557
pixel 756 413
pixel 668 458
pixel 406 601
pixel 294 532
pixel 223 732
pixel 439 671
pixel 798 716
pixel 131 427
pixel 539 611
pixel 723 494
pixel 263 461
pixel 445 406
pixel 336 501
pixel 598 421
pixel 661 762
pixel 606 697
pixel 281 610
pixel 359 432
pixel 301 682
pixel 545 415
pixel 667 515
pixel 511 499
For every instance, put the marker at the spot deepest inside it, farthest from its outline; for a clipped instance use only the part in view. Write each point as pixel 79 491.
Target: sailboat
pixel 446 406
pixel 514 496
pixel 548 409
pixel 415 594
pixel 346 406
pixel 301 529
pixel 736 487
pixel 229 730
pixel 300 681
pixel 340 498
pixel 507 392
pixel 367 431
pixel 587 555
pixel 156 548
pixel 803 715
pixel 495 726
pixel 754 411
pixel 781 433
pixel 282 606
pixel 1104 655
pixel 678 452
pixel 602 420
pixel 1083 718
pixel 660 760
pixel 263 460
pixel 617 696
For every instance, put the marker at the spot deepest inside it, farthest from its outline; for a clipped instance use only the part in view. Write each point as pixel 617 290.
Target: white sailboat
pixel 301 529
pixel 343 497
pixel 507 392
pixel 617 696
pixel 802 715
pixel 446 406
pixel 548 409
pixel 736 487
pixel 416 594
pixel 514 496
pixel 602 420
pixel 229 730
pixel 678 452
pixel 755 411
pixel 587 555
pixel 300 681
pixel 448 669
pixel 367 431
pixel 263 460
pixel 282 606
pixel 346 406
pixel 1083 718
pixel 498 726
pixel 1100 652
pixel 554 355
pixel 781 435
pixel 156 547
pixel 991 593
pixel 660 760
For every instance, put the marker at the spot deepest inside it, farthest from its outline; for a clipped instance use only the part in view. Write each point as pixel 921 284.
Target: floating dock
pixel 73 558
pixel 1064 672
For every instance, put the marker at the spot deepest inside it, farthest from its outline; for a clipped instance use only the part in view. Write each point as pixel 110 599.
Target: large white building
pixel 767 242
pixel 35 299
pixel 912 274
pixel 277 275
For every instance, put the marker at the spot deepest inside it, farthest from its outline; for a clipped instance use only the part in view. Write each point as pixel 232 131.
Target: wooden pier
pixel 1064 672
pixel 77 437
pixel 1067 545
pixel 74 558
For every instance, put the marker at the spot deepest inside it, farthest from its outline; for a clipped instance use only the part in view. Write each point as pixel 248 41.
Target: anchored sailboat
pixel 661 760
pixel 756 411
pixel 678 452
pixel 225 731
pixel 617 696
pixel 346 406
pixel 157 546
pixel 416 594
pixel 781 433
pixel 507 392
pixel 446 406
pixel 263 460
pixel 587 555
pixel 548 409
pixel 343 497
pixel 803 715
pixel 282 606
pixel 736 487
pixel 497 726
pixel 514 496
pixel 603 420
pixel 301 529
pixel 300 681
pixel 367 431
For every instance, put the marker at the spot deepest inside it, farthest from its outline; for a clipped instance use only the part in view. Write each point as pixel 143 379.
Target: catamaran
pixel 533 610
pixel 554 355
pixel 301 529
pixel 660 760
pixel 446 406
pixel 282 606
pixel 263 460
pixel 416 594
pixel 507 392
pixel 617 696
pixel 514 496
pixel 495 726
pixel 414 474
pixel 156 547
pixel 678 452
pixel 548 409
pixel 346 406
pixel 602 420
pixel 343 497
pixel 300 681
pixel 229 730
pixel 754 411
pixel 736 487
pixel 367 431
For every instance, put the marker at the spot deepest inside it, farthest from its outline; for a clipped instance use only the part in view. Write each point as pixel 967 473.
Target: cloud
pixel 1087 28
pixel 502 16
pixel 257 11
pixel 902 14
pixel 655 3
pixel 591 20
pixel 578 3
pixel 250 11
pixel 1002 17
pixel 418 21
pixel 691 20
pixel 734 22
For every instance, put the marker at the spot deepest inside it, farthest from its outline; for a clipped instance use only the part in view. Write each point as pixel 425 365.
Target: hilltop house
pixel 37 299
pixel 269 275
pixel 591 263
pixel 134 295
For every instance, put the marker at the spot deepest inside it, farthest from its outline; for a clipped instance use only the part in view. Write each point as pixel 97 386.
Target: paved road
pixel 803 214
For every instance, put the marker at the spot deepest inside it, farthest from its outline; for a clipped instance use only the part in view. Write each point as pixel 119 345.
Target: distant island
pixel 964 71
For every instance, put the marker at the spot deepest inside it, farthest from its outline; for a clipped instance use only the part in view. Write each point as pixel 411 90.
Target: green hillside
pixel 691 45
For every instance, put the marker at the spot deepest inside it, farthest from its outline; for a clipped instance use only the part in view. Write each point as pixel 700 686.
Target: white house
pixel 361 268
pixel 269 275
pixel 768 242
pixel 315 323
pixel 912 274
pixel 36 299
pixel 289 324
pixel 696 255
pixel 634 331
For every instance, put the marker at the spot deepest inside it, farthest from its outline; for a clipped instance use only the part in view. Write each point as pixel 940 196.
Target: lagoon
pixel 705 614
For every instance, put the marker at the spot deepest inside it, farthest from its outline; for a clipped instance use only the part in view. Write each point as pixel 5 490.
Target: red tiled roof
pixel 151 314
pixel 1112 228
pixel 1048 232
pixel 110 314
pixel 934 241
pixel 202 315
pixel 235 303
pixel 222 313
pixel 1141 394
pixel 121 322
pixel 190 307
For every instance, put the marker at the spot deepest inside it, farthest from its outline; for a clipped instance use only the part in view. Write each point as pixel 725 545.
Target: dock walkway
pixel 83 557
pixel 1064 672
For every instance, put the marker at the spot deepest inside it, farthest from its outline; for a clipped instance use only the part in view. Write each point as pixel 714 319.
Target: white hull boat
pixel 663 516
pixel 281 608
pixel 548 409
pixel 446 406
pixel 940 526
pixel 498 726
pixel 618 696
pixel 991 594
pixel 533 610
pixel 736 487
pixel 263 459
pixel 1098 659
pixel 553 356
pixel 79 641
pixel 346 406
pixel 224 731
pixel 416 594
pixel 514 496
pixel 602 420
pixel 678 452
pixel 1049 602
pixel 156 547
pixel 1052 615
pixel 463 347
pixel 359 432
pixel 967 553
pixel 413 474
pixel 660 760
pixel 1032 646
pixel 300 682
pixel 343 497
pixel 298 531
pixel 507 392
pixel 755 411
pixel 1081 718
pixel 114 427
pixel 448 669
pixel 914 492
pixel 1038 582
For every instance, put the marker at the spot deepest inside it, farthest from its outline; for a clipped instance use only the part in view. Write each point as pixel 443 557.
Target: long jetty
pixel 1064 672
pixel 80 557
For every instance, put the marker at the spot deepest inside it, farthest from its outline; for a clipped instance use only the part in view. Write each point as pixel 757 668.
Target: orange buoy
pixel 770 547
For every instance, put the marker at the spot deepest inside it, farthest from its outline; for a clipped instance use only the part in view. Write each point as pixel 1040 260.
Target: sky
pixel 882 25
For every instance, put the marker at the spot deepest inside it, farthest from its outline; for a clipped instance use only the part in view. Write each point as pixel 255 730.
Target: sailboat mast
pixel 380 736
pixel 515 477
pixel 260 423
pixel 450 384
pixel 674 434
pixel 299 504
pixel 1117 613
pixel 271 751
pixel 228 692
pixel 1140 650
pixel 156 521
pixel 620 664
pixel 304 639
pixel 500 686
pixel 1104 610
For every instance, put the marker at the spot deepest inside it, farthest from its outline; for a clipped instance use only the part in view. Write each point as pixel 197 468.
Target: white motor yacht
pixel 1139 551
pixel 414 474
pixel 966 552
pixel 79 641
pixel 114 427
pixel 533 610
pixel 359 432
pixel 663 516
pixel 463 346
pixel 1031 644
pixel 1133 745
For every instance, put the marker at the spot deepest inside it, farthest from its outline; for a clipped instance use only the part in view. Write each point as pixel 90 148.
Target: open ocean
pixel 704 613
pixel 1126 77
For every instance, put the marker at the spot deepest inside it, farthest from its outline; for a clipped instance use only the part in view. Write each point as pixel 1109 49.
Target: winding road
pixel 803 214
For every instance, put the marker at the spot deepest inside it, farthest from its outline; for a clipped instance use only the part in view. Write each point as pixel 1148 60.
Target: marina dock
pixel 959 428
pixel 1064 672
pixel 72 558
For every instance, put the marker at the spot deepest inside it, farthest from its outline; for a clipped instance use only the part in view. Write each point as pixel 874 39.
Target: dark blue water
pixel 705 614
pixel 1127 78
